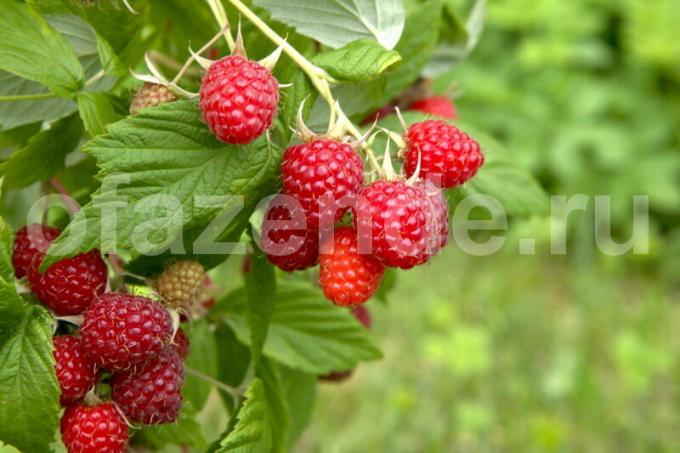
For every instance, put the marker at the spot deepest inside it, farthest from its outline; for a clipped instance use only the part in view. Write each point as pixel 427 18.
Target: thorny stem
pixel 319 77
pixel 26 97
pixel 223 31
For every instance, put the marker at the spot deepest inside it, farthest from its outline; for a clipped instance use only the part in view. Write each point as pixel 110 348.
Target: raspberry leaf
pixel 336 23
pixel 260 296
pixel 202 357
pixel 32 49
pixel 185 431
pixel 359 60
pixel 49 147
pixel 99 109
pixel 306 332
pixel 300 390
pixel 168 154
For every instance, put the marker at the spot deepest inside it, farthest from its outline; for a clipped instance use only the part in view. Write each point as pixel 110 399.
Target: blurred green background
pixel 543 353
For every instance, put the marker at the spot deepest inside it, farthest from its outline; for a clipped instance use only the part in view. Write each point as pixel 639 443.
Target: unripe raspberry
pixel 31 241
pixel 151 394
pixel 322 174
pixel 69 286
pixel 399 222
pixel 94 429
pixel 238 99
pixel 448 156
pixel 76 372
pixel 121 331
pixel 181 284
pixel 347 276
pixel 150 95
pixel 286 239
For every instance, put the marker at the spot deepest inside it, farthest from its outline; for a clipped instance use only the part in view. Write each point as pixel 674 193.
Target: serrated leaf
pixel 233 359
pixel 169 154
pixel 306 331
pixel 97 110
pixel 300 390
pixel 357 61
pixel 260 297
pixel 253 431
pixel 292 97
pixel 32 49
pixel 185 431
pixel 29 392
pixel 277 403
pixel 339 22
pixel 203 358
pixel 44 154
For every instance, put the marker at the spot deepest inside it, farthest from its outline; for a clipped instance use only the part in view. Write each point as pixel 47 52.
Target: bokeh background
pixel 543 353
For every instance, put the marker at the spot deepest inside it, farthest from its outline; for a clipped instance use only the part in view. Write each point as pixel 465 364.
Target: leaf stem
pixel 318 76
pixel 71 204
pixel 214 382
pixel 26 97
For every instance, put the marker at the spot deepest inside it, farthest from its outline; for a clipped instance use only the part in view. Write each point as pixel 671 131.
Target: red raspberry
pixel 31 241
pixel 449 157
pixel 94 429
pixel 348 277
pixel 76 372
pixel 152 394
pixel 238 99
pixel 440 216
pixel 290 245
pixel 120 331
pixel 181 343
pixel 435 105
pixel 69 286
pixel 320 174
pixel 398 221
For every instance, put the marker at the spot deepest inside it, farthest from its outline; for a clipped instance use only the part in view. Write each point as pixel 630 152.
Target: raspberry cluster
pixel 125 339
pixel 327 214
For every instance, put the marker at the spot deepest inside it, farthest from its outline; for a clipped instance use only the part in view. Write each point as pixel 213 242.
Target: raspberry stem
pixel 221 18
pixel 214 382
pixel 318 76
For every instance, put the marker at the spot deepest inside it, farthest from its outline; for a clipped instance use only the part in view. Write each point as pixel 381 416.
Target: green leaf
pixel 357 61
pixel 300 391
pixel 253 431
pixel 260 297
pixel 387 285
pixel 108 58
pixel 172 160
pixel 291 99
pixel 185 431
pixel 29 392
pixel 416 45
pixel 32 49
pixel 99 109
pixel 19 136
pixel 203 358
pixel 337 22
pixel 233 359
pixel 44 154
pixel 277 403
pixel 306 331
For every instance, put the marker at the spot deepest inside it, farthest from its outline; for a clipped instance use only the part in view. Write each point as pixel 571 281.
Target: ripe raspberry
pixel 150 95
pixel 398 221
pixel 290 245
pixel 121 331
pixel 69 286
pixel 320 174
pixel 181 284
pixel 435 105
pixel 440 216
pixel 449 157
pixel 181 343
pixel 151 395
pixel 238 99
pixel 76 372
pixel 94 429
pixel 348 277
pixel 31 240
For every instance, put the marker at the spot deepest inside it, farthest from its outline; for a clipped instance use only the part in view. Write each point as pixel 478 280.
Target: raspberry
pixel 238 99
pixel 31 240
pixel 290 245
pixel 94 429
pixel 150 95
pixel 379 114
pixel 440 216
pixel 181 343
pixel 120 331
pixel 435 105
pixel 320 174
pixel 181 284
pixel 346 276
pixel 76 372
pixel 69 286
pixel 151 395
pixel 398 221
pixel 448 156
